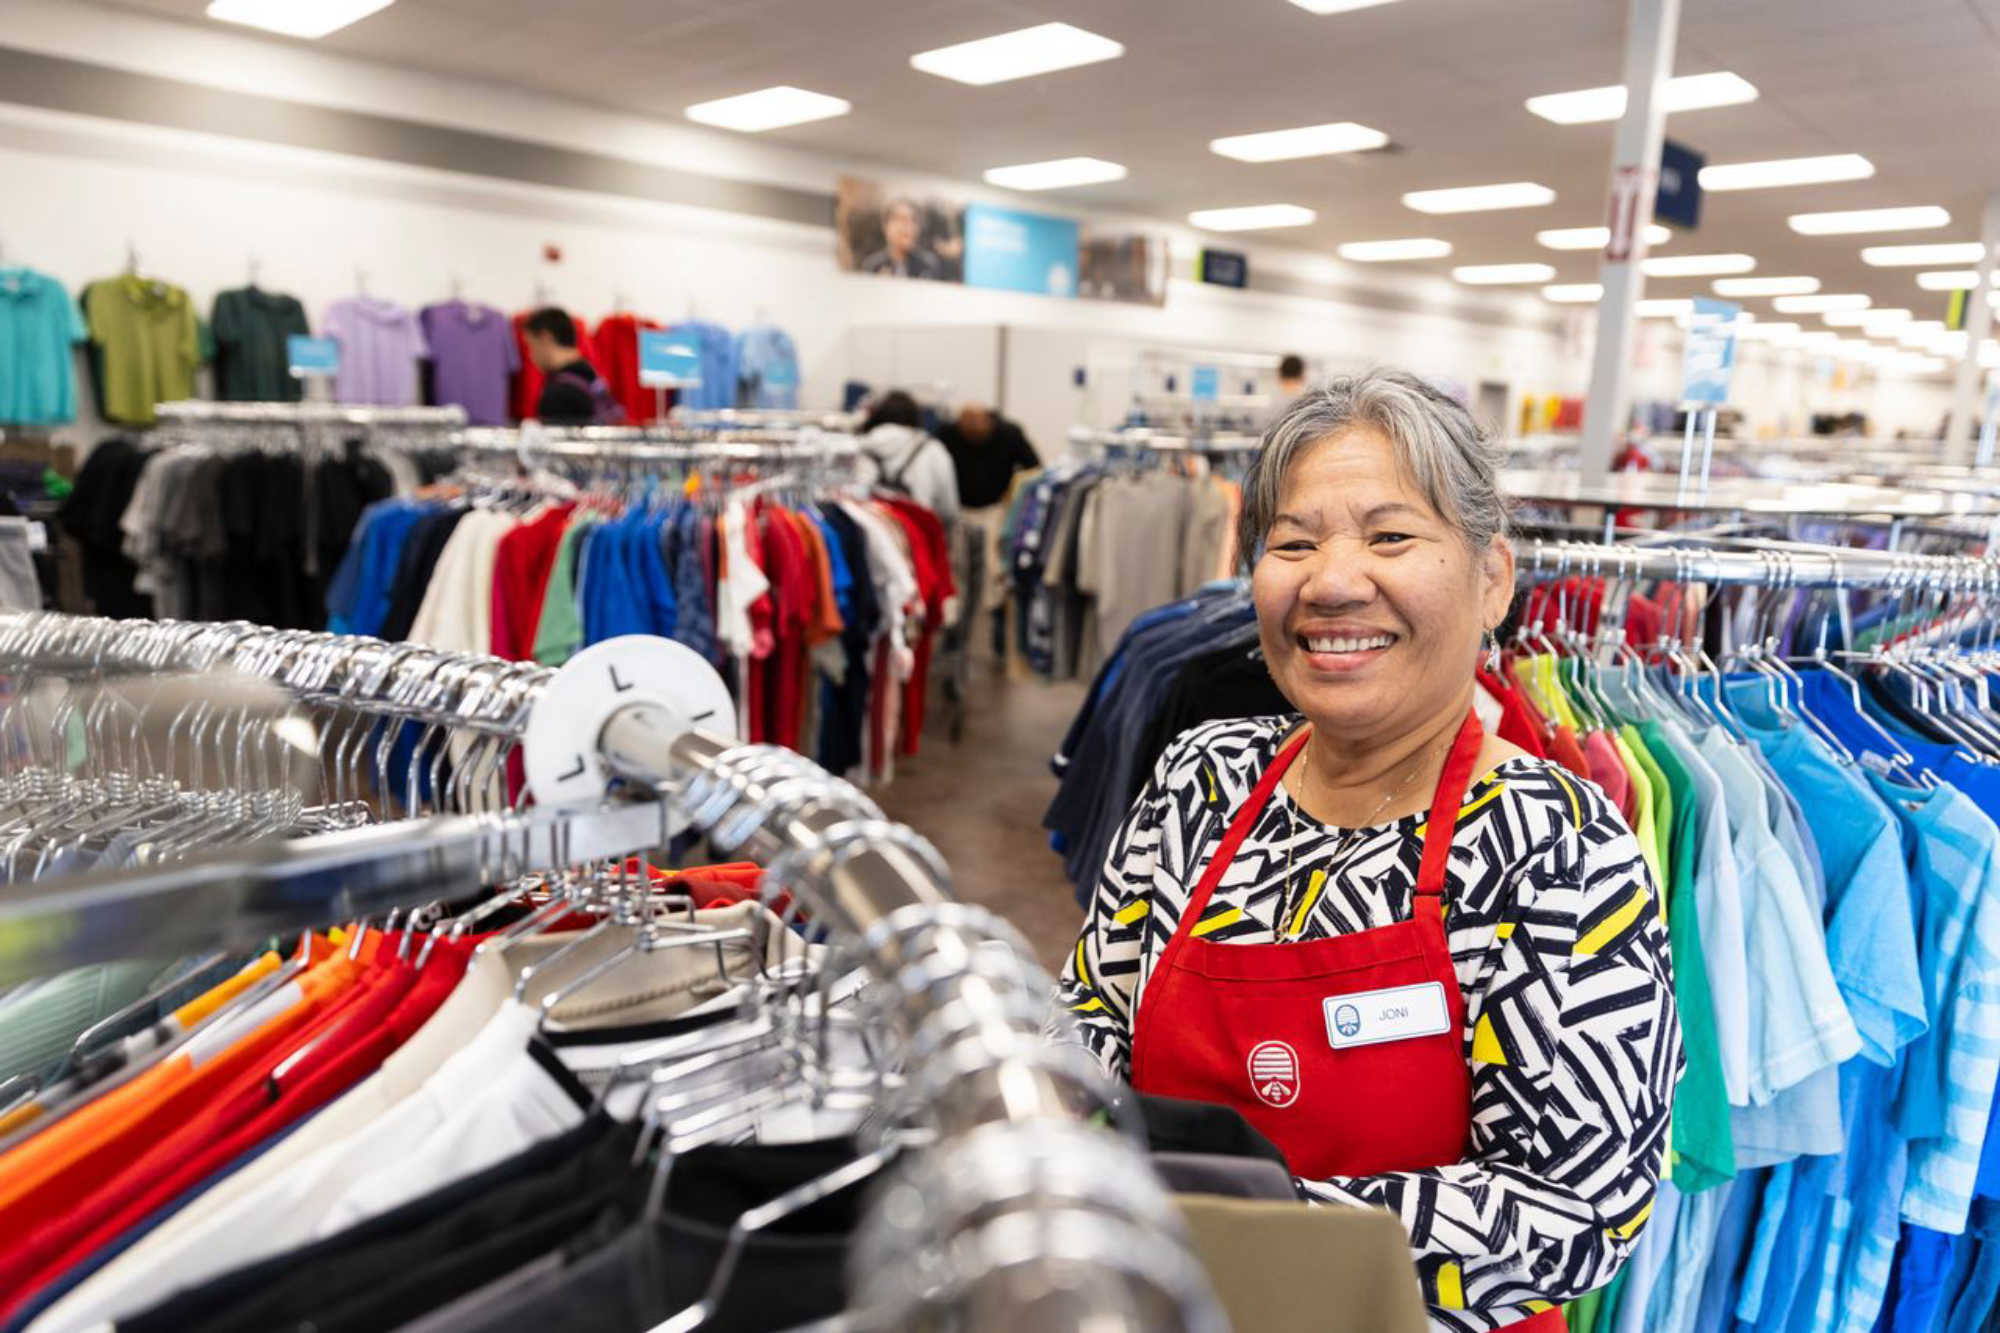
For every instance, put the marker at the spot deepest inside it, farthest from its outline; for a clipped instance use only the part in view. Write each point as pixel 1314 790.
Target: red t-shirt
pixel 341 1045
pixel 617 340
pixel 521 568
pixel 931 556
pixel 793 590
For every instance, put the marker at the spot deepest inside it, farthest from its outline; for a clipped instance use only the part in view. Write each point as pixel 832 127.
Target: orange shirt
pixel 86 1149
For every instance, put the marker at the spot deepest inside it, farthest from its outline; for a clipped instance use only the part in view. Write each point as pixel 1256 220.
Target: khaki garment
pixel 1299 1268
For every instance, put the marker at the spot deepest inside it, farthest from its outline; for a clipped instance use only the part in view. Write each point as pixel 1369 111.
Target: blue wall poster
pixel 1709 356
pixel 1020 252
pixel 668 361
pixel 1205 385
pixel 312 357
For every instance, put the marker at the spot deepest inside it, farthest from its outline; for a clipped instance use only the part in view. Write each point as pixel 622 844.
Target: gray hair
pixel 1438 446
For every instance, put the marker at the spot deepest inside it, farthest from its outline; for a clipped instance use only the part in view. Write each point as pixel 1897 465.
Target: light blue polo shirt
pixel 39 324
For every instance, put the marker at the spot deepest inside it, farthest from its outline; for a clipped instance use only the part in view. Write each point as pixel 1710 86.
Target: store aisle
pixel 981 801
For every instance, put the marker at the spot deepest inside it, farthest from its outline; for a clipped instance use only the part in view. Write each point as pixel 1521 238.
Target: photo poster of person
pixel 1123 266
pixel 894 232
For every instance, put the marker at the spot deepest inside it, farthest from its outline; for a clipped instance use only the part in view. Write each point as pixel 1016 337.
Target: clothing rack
pixel 1038 1201
pixel 630 444
pixel 1140 438
pixel 198 411
pixel 1774 565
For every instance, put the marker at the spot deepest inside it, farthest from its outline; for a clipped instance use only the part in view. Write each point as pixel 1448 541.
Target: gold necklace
pixel 1286 905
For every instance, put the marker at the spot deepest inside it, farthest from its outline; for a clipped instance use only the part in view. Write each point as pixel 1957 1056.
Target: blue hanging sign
pixel 312 357
pixel 1709 356
pixel 1020 252
pixel 1225 268
pixel 1678 200
pixel 668 360
pixel 1206 383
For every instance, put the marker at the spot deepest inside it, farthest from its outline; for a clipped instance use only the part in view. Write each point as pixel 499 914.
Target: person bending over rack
pixel 1429 967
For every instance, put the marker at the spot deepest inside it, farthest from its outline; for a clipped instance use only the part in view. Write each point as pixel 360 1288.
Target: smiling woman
pixel 1269 932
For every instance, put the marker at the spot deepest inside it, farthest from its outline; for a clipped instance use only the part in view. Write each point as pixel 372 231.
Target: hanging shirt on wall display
pixel 617 339
pixel 146 342
pixel 767 369
pixel 38 323
pixel 251 363
pixel 472 353
pixel 380 345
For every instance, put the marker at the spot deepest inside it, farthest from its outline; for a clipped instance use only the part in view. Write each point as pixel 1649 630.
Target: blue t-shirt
pixel 39 324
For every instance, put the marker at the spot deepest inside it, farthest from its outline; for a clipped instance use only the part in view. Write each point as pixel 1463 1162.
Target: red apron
pixel 1346 1052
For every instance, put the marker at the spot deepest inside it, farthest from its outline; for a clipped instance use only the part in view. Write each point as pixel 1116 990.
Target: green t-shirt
pixel 559 633
pixel 252 362
pixel 147 344
pixel 1705 1154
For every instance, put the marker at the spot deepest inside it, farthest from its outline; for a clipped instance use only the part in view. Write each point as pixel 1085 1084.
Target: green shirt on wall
pixel 146 341
pixel 252 364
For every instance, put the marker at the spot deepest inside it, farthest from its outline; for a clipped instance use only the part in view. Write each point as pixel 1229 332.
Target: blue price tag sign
pixel 1206 384
pixel 668 360
pixel 1709 356
pixel 312 357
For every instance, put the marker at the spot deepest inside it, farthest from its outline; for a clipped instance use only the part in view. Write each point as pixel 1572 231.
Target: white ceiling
pixel 1911 84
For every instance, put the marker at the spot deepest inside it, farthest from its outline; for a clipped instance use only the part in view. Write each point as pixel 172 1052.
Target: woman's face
pixel 1369 605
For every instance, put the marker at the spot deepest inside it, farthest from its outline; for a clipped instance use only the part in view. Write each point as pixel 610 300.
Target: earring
pixel 1492 652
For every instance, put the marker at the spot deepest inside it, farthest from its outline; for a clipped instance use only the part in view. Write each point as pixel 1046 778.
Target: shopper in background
pixel 1291 377
pixel 987 449
pixel 573 393
pixel 1429 967
pixel 905 458
pixel 900 255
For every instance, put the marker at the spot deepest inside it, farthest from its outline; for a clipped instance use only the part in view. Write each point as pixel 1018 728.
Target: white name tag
pixel 1396 1014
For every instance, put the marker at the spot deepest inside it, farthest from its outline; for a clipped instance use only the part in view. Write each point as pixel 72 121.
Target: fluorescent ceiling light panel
pixel 1846 319
pixel 1337 6
pixel 1389 252
pixel 1042 49
pixel 295 18
pixel 1916 256
pixel 1821 303
pixel 1819 338
pixel 1480 198
pixel 1918 332
pixel 1497 275
pixel 1306 141
pixel 768 109
pixel 1958 280
pixel 1696 266
pixel 1881 323
pixel 1770 333
pixel 1057 174
pixel 1574 293
pixel 1666 308
pixel 1796 286
pixel 1595 238
pixel 1869 219
pixel 1787 171
pixel 1251 217
pixel 1690 92
pixel 1951 342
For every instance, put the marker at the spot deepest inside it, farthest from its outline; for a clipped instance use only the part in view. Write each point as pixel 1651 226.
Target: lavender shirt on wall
pixel 472 355
pixel 380 344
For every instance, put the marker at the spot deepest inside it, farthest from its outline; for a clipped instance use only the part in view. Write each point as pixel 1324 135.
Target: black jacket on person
pixel 985 467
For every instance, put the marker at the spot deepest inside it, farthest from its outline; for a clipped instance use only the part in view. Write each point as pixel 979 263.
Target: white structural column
pixel 1652 29
pixel 1978 323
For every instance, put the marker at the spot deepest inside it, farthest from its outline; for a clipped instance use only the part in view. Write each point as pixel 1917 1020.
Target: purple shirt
pixel 472 354
pixel 380 344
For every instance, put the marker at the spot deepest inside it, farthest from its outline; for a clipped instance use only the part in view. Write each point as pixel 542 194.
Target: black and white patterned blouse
pixel 1561 951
